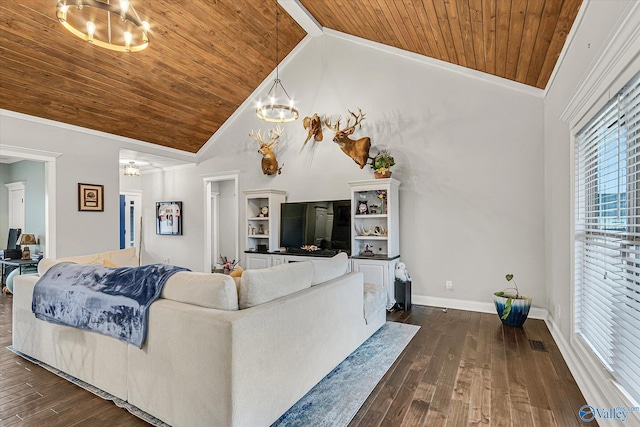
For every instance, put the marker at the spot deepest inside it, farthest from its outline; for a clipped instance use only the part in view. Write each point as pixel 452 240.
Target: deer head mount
pixel 314 125
pixel 357 149
pixel 269 161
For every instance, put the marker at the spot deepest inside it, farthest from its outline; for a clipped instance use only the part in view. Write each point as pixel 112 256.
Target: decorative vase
pixel 519 310
pixel 379 175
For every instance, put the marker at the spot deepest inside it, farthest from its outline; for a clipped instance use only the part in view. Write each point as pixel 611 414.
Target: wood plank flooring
pixel 453 373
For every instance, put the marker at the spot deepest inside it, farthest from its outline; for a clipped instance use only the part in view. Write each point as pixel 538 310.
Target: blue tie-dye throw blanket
pixel 110 301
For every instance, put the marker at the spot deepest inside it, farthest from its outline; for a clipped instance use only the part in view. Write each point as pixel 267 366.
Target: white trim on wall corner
pixel 609 62
pixel 468 305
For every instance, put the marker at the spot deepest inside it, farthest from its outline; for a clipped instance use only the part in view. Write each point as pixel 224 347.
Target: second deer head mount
pixel 357 149
pixel 269 161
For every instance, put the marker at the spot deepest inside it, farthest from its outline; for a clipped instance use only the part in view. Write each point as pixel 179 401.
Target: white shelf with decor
pixel 262 225
pixel 375 231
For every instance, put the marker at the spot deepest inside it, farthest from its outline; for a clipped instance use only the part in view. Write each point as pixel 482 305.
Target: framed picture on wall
pixel 169 218
pixel 90 197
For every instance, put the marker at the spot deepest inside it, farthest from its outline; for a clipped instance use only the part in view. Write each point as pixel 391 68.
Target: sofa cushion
pixel 264 285
pixel 211 290
pixel 328 269
pixel 120 258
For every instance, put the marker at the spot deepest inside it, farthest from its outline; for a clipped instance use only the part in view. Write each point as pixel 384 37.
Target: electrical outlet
pixel 165 261
pixel 449 285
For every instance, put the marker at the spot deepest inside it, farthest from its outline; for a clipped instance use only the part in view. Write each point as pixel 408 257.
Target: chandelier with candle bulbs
pixel 113 25
pixel 277 106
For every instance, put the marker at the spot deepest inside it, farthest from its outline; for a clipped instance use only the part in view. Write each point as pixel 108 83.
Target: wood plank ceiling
pixel 207 56
pixel 519 40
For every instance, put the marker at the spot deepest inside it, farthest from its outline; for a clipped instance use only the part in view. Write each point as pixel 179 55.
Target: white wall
pixel 469 154
pixel 85 157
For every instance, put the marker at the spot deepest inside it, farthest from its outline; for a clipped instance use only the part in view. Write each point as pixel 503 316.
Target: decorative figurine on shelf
pixel 363 208
pixel 382 195
pixel 401 272
pixel 368 250
pixel 264 212
pixel 260 229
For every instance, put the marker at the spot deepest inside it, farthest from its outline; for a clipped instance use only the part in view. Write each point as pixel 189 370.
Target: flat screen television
pixel 325 224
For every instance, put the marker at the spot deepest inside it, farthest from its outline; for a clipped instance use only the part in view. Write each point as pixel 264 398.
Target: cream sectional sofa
pixel 219 353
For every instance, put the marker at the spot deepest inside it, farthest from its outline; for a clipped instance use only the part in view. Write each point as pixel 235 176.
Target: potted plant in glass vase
pixel 513 309
pixel 382 164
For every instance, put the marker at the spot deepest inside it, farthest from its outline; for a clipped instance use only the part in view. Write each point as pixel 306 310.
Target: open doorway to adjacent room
pixel 221 218
pixel 28 196
pixel 130 219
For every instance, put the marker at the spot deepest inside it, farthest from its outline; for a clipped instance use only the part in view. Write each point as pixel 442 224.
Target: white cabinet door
pixel 257 261
pixel 277 260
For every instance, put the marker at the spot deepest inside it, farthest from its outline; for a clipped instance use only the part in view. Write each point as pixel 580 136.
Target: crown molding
pixel 168 151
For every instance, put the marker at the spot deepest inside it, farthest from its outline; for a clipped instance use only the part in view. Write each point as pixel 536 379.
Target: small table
pixel 20 263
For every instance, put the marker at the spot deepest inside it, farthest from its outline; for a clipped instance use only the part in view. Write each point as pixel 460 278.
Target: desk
pixel 20 263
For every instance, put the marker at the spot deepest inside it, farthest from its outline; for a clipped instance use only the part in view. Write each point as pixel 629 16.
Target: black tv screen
pixel 325 224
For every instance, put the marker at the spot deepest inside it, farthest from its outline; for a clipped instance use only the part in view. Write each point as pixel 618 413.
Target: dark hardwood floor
pixel 461 369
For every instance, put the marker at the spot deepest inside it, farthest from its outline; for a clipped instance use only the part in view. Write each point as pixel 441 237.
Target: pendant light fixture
pixel 277 106
pixel 115 27
pixel 131 169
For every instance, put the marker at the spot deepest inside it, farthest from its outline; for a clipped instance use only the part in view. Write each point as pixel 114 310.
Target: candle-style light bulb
pixel 91 30
pixel 127 40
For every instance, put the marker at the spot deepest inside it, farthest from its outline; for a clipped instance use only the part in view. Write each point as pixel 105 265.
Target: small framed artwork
pixel 90 197
pixel 169 218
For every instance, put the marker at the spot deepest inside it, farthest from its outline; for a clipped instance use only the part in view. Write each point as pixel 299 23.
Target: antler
pixel 358 119
pixel 274 134
pixel 327 123
pixel 257 136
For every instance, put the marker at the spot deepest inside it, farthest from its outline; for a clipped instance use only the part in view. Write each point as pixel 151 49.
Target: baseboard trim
pixel 479 306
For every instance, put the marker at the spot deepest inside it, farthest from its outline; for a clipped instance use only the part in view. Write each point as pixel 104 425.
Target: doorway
pixel 16 204
pixel 221 218
pixel 49 159
pixel 130 220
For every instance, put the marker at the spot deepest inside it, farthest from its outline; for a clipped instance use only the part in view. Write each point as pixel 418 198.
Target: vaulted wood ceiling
pixel 207 56
pixel 516 39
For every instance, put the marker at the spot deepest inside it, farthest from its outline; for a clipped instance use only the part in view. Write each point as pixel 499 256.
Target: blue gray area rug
pixel 334 401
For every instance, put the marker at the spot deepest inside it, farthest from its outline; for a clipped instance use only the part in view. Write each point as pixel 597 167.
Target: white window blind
pixel 607 236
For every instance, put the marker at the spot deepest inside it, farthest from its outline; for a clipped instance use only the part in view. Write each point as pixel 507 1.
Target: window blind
pixel 607 236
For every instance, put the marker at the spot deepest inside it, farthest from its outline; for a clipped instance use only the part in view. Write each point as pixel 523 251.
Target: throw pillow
pixel 237 272
pixel 267 284
pixel 328 269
